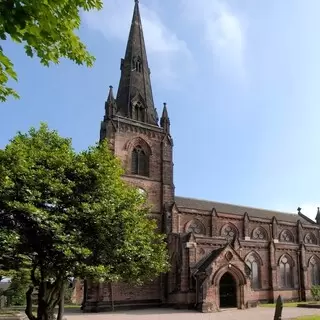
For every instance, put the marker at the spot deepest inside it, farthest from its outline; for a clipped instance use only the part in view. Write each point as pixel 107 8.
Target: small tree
pixel 65 214
pixel 46 29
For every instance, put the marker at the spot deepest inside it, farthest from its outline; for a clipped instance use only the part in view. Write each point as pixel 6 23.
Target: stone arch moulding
pixel 259 233
pixel 310 238
pixel 234 271
pixel 254 254
pixel 315 259
pixel 138 141
pixel 286 236
pixel 195 226
pixel 229 230
pixel 290 260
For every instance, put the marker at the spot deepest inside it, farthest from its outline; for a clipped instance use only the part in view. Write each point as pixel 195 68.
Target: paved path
pixel 169 314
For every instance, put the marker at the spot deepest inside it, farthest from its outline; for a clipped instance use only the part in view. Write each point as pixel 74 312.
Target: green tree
pixel 65 214
pixel 46 29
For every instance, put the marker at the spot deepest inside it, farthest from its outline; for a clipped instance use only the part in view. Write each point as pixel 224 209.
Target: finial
pixel 136 1
pixel 318 210
pixel 164 104
pixel 299 210
pixel 110 87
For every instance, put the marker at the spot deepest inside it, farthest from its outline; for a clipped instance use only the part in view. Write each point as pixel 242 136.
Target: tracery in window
pixel 229 232
pixel 259 234
pixel 140 162
pixel 310 238
pixel 314 271
pixel 196 227
pixel 285 272
pixel 254 265
pixel 286 236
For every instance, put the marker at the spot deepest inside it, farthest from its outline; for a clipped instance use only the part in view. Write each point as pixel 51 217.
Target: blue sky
pixel 241 79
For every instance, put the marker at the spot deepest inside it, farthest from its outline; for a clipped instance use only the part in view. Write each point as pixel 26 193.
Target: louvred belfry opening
pixel 140 162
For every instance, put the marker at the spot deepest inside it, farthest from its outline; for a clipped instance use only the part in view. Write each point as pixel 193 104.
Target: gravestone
pixel 278 311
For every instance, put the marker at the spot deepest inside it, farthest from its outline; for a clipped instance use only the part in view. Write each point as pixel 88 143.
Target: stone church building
pixel 221 255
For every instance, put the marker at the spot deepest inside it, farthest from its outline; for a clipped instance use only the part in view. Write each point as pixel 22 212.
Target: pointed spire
pixel 165 121
pixel 318 216
pixel 134 98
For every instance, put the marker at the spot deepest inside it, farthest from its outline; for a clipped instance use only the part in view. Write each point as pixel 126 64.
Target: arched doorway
pixel 228 291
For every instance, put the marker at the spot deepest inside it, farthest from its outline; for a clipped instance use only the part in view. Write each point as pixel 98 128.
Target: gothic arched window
pixel 259 234
pixel 314 272
pixel 139 112
pixel 229 232
pixel 310 238
pixel 139 162
pixel 285 273
pixel 253 264
pixel 195 226
pixel 286 236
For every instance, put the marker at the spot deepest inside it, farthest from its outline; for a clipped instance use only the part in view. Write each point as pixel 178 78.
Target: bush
pixel 315 291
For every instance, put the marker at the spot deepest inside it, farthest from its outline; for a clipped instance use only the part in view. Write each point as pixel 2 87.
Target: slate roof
pixel 204 263
pixel 198 204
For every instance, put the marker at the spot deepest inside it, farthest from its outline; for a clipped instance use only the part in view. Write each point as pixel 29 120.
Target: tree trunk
pixel 48 298
pixel 61 304
pixel 28 309
pixel 85 294
pixel 45 312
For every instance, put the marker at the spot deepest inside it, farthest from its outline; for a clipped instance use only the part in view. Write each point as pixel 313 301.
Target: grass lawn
pixel 285 304
pixel 308 318
pixel 7 312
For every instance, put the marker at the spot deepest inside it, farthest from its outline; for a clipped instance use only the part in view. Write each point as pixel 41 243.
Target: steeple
pixel 134 98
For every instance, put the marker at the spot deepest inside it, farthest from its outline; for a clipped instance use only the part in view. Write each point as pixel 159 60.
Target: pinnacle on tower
pixel 318 216
pixel 165 121
pixel 110 105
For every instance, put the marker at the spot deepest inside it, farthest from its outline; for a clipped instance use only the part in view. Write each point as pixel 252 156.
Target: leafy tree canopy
pixel 66 214
pixel 46 29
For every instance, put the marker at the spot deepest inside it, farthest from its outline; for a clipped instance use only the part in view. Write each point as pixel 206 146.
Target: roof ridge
pixel 237 205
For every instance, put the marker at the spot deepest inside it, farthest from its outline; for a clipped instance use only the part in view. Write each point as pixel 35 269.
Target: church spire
pixel 134 98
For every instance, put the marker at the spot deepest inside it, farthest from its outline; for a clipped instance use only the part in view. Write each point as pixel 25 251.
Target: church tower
pixel 131 125
pixel 144 146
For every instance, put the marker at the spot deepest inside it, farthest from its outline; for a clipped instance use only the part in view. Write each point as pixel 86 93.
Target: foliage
pixel 315 292
pixel 16 293
pixel 65 214
pixel 46 29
